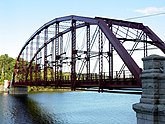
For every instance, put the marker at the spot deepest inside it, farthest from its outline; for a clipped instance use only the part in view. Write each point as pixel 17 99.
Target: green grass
pixel 46 89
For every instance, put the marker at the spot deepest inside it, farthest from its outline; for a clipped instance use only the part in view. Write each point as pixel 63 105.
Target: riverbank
pixel 41 89
pixel 47 89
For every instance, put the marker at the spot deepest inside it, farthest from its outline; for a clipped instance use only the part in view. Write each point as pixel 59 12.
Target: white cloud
pixel 150 10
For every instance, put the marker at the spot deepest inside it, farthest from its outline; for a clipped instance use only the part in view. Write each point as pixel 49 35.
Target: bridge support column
pixel 151 109
pixel 18 90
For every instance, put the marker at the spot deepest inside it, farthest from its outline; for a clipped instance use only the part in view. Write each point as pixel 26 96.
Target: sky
pixel 19 19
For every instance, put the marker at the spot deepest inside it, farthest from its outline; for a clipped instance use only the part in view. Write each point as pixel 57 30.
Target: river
pixel 68 108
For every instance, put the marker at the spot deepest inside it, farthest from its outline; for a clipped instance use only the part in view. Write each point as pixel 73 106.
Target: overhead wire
pixel 145 16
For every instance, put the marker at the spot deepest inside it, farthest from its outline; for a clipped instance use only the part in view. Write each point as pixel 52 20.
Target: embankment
pixel 47 89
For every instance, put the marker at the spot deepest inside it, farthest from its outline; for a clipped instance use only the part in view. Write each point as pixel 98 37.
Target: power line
pixel 138 17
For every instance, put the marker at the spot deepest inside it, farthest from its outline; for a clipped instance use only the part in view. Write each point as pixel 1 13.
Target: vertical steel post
pixel 100 59
pixel 23 67
pixel 36 68
pixel 26 57
pixel 45 54
pixel 145 45
pixel 74 52
pixel 61 52
pixel 31 55
pixel 41 65
pixel 31 49
pixel 40 61
pixel 27 53
pixel 56 50
pixel 110 56
pixel 31 77
pixel 110 61
pixel 88 51
pixel 52 61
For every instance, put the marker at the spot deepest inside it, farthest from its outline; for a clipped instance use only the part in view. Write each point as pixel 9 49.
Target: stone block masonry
pixel 151 109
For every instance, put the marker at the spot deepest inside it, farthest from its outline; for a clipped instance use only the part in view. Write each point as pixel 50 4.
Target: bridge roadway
pixel 104 84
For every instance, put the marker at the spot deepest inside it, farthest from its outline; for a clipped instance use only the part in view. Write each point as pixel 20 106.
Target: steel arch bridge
pixel 75 51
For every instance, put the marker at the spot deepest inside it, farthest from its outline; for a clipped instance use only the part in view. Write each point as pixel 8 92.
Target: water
pixel 68 108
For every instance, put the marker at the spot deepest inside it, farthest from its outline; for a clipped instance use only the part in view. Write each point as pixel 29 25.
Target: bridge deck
pixel 106 83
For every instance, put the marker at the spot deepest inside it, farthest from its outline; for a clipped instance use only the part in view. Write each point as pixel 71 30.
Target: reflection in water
pixel 22 110
pixel 68 108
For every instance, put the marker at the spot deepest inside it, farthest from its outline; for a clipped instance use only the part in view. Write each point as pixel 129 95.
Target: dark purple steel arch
pixel 66 18
pixel 155 39
pixel 131 64
pixel 103 23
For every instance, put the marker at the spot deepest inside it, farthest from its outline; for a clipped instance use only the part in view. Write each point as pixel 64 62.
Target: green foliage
pixel 6 67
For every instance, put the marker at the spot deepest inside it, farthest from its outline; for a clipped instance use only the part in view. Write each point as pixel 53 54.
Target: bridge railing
pixel 65 78
pixel 125 75
pixel 104 76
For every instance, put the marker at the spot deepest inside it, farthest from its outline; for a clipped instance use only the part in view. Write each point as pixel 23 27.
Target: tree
pixel 6 67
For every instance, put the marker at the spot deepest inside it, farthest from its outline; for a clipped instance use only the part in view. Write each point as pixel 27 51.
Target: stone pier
pixel 151 109
pixel 18 90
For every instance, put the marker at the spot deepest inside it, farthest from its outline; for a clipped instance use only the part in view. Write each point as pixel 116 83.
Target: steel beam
pixel 73 61
pixel 88 51
pixel 45 54
pixel 100 60
pixel 122 23
pixel 36 66
pixel 52 60
pixel 122 52
pixel 56 50
pixel 110 55
pixel 61 52
pixel 155 39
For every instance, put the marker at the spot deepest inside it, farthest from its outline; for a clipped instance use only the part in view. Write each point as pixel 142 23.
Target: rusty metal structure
pixel 75 51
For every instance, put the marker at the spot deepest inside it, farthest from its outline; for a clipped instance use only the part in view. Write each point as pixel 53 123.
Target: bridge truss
pixel 76 51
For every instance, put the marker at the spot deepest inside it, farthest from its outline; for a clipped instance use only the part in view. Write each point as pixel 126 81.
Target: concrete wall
pixel 19 90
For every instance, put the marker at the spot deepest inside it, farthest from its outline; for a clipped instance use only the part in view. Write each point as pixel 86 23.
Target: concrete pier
pixel 19 90
pixel 151 109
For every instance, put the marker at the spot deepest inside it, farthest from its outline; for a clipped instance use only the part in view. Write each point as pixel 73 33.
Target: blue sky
pixel 19 19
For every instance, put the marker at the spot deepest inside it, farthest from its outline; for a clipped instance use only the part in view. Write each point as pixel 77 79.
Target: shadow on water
pixel 68 108
pixel 23 110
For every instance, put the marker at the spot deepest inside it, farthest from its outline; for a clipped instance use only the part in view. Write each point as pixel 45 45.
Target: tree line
pixel 6 67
